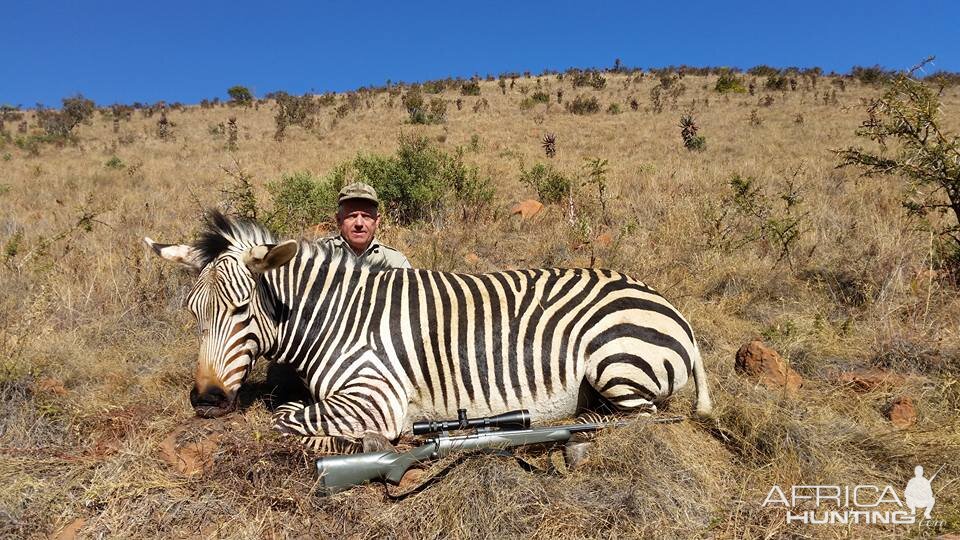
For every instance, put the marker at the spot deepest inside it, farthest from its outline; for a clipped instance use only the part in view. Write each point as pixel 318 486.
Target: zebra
pixel 379 348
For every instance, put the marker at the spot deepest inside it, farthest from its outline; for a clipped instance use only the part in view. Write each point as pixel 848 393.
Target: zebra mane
pixel 221 233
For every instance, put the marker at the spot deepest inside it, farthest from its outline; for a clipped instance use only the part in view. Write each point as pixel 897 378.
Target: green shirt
pixel 376 254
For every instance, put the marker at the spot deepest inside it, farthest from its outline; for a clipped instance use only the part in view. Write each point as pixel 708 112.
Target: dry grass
pixel 96 352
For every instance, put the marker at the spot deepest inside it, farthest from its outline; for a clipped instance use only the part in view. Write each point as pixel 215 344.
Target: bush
pixel 777 82
pixel 540 97
pixel 584 105
pixel 763 71
pixel 471 88
pixel 943 78
pixel 589 78
pixel 421 181
pixel 418 110
pixel 240 95
pixel 551 186
pixel 59 125
pixel 473 193
pixel 114 163
pixel 433 87
pixel 301 199
pixel 871 75
pixel 294 111
pixel 688 132
pixel 728 82
pixel 614 108
pixel 925 154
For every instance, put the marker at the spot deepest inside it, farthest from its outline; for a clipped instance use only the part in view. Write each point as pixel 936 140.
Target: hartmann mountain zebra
pixel 380 348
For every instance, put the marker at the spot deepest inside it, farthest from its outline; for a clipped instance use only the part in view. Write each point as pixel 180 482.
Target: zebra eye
pixel 240 307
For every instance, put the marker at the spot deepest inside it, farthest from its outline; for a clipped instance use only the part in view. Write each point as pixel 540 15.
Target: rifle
pixel 496 433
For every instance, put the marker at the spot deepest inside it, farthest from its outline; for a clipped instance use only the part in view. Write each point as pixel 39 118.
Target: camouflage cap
pixel 358 190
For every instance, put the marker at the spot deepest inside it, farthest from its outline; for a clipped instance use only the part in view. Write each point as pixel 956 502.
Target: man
pixel 358 217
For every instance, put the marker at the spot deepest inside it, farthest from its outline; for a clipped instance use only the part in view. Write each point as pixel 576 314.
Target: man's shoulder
pixel 335 240
pixel 388 248
pixel 393 256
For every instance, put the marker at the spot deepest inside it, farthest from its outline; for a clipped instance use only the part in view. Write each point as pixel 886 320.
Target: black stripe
pixel 629 359
pixel 433 333
pixel 648 335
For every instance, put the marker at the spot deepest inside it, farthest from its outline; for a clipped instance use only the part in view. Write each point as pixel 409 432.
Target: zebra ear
pixel 177 253
pixel 266 257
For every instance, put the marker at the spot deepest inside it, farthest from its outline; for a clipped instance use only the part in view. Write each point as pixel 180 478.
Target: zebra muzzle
pixel 211 403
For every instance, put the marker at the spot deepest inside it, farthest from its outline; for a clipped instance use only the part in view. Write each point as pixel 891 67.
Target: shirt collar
pixel 343 242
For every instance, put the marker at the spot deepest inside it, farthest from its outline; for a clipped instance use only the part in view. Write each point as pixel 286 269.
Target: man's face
pixel 358 220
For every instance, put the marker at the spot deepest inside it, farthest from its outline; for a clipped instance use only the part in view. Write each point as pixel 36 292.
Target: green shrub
pixel 589 78
pixel 420 112
pixel 584 105
pixel 551 185
pixel 114 163
pixel 540 97
pixel 301 199
pixel 294 111
pixel 472 192
pixel 688 132
pixel 410 184
pixel 747 215
pixel 421 181
pixel 438 110
pixel 728 82
pixel 59 125
pixel 872 75
pixel 614 108
pixel 763 71
pixel 433 87
pixel 777 82
pixel 327 99
pixel 240 95
pixel 925 154
pixel 470 88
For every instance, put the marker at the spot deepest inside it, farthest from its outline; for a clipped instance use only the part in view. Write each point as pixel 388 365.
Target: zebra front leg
pixel 288 419
pixel 344 422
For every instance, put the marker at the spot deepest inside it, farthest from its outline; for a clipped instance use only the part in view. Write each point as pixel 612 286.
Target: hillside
pixel 757 234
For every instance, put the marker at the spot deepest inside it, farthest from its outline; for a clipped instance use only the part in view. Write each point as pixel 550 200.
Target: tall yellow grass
pixel 96 352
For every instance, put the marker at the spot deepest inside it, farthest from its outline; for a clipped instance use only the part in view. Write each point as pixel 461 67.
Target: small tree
pixel 240 95
pixel 60 124
pixel 908 112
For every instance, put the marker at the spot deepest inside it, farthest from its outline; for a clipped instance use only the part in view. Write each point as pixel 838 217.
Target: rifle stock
pixel 338 473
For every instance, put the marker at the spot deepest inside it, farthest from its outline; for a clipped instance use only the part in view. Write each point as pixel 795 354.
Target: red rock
pixel 527 209
pixel 901 412
pixel 765 365
pixel 471 258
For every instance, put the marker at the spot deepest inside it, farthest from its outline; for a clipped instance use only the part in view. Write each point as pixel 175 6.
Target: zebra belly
pixel 560 404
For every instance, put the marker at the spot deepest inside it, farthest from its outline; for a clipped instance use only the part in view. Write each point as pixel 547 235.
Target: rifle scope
pixel 519 419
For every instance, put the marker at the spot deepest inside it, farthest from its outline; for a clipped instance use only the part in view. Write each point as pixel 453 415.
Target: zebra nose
pixel 211 402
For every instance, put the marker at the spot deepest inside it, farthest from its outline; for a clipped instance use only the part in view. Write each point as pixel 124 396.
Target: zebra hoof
pixel 575 453
pixel 375 442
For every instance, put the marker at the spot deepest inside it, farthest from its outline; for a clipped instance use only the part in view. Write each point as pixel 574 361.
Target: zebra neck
pixel 318 304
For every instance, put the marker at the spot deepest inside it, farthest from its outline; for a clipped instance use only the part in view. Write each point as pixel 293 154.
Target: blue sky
pixel 186 51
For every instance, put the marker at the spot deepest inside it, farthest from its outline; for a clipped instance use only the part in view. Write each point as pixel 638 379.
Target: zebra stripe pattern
pixel 379 348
